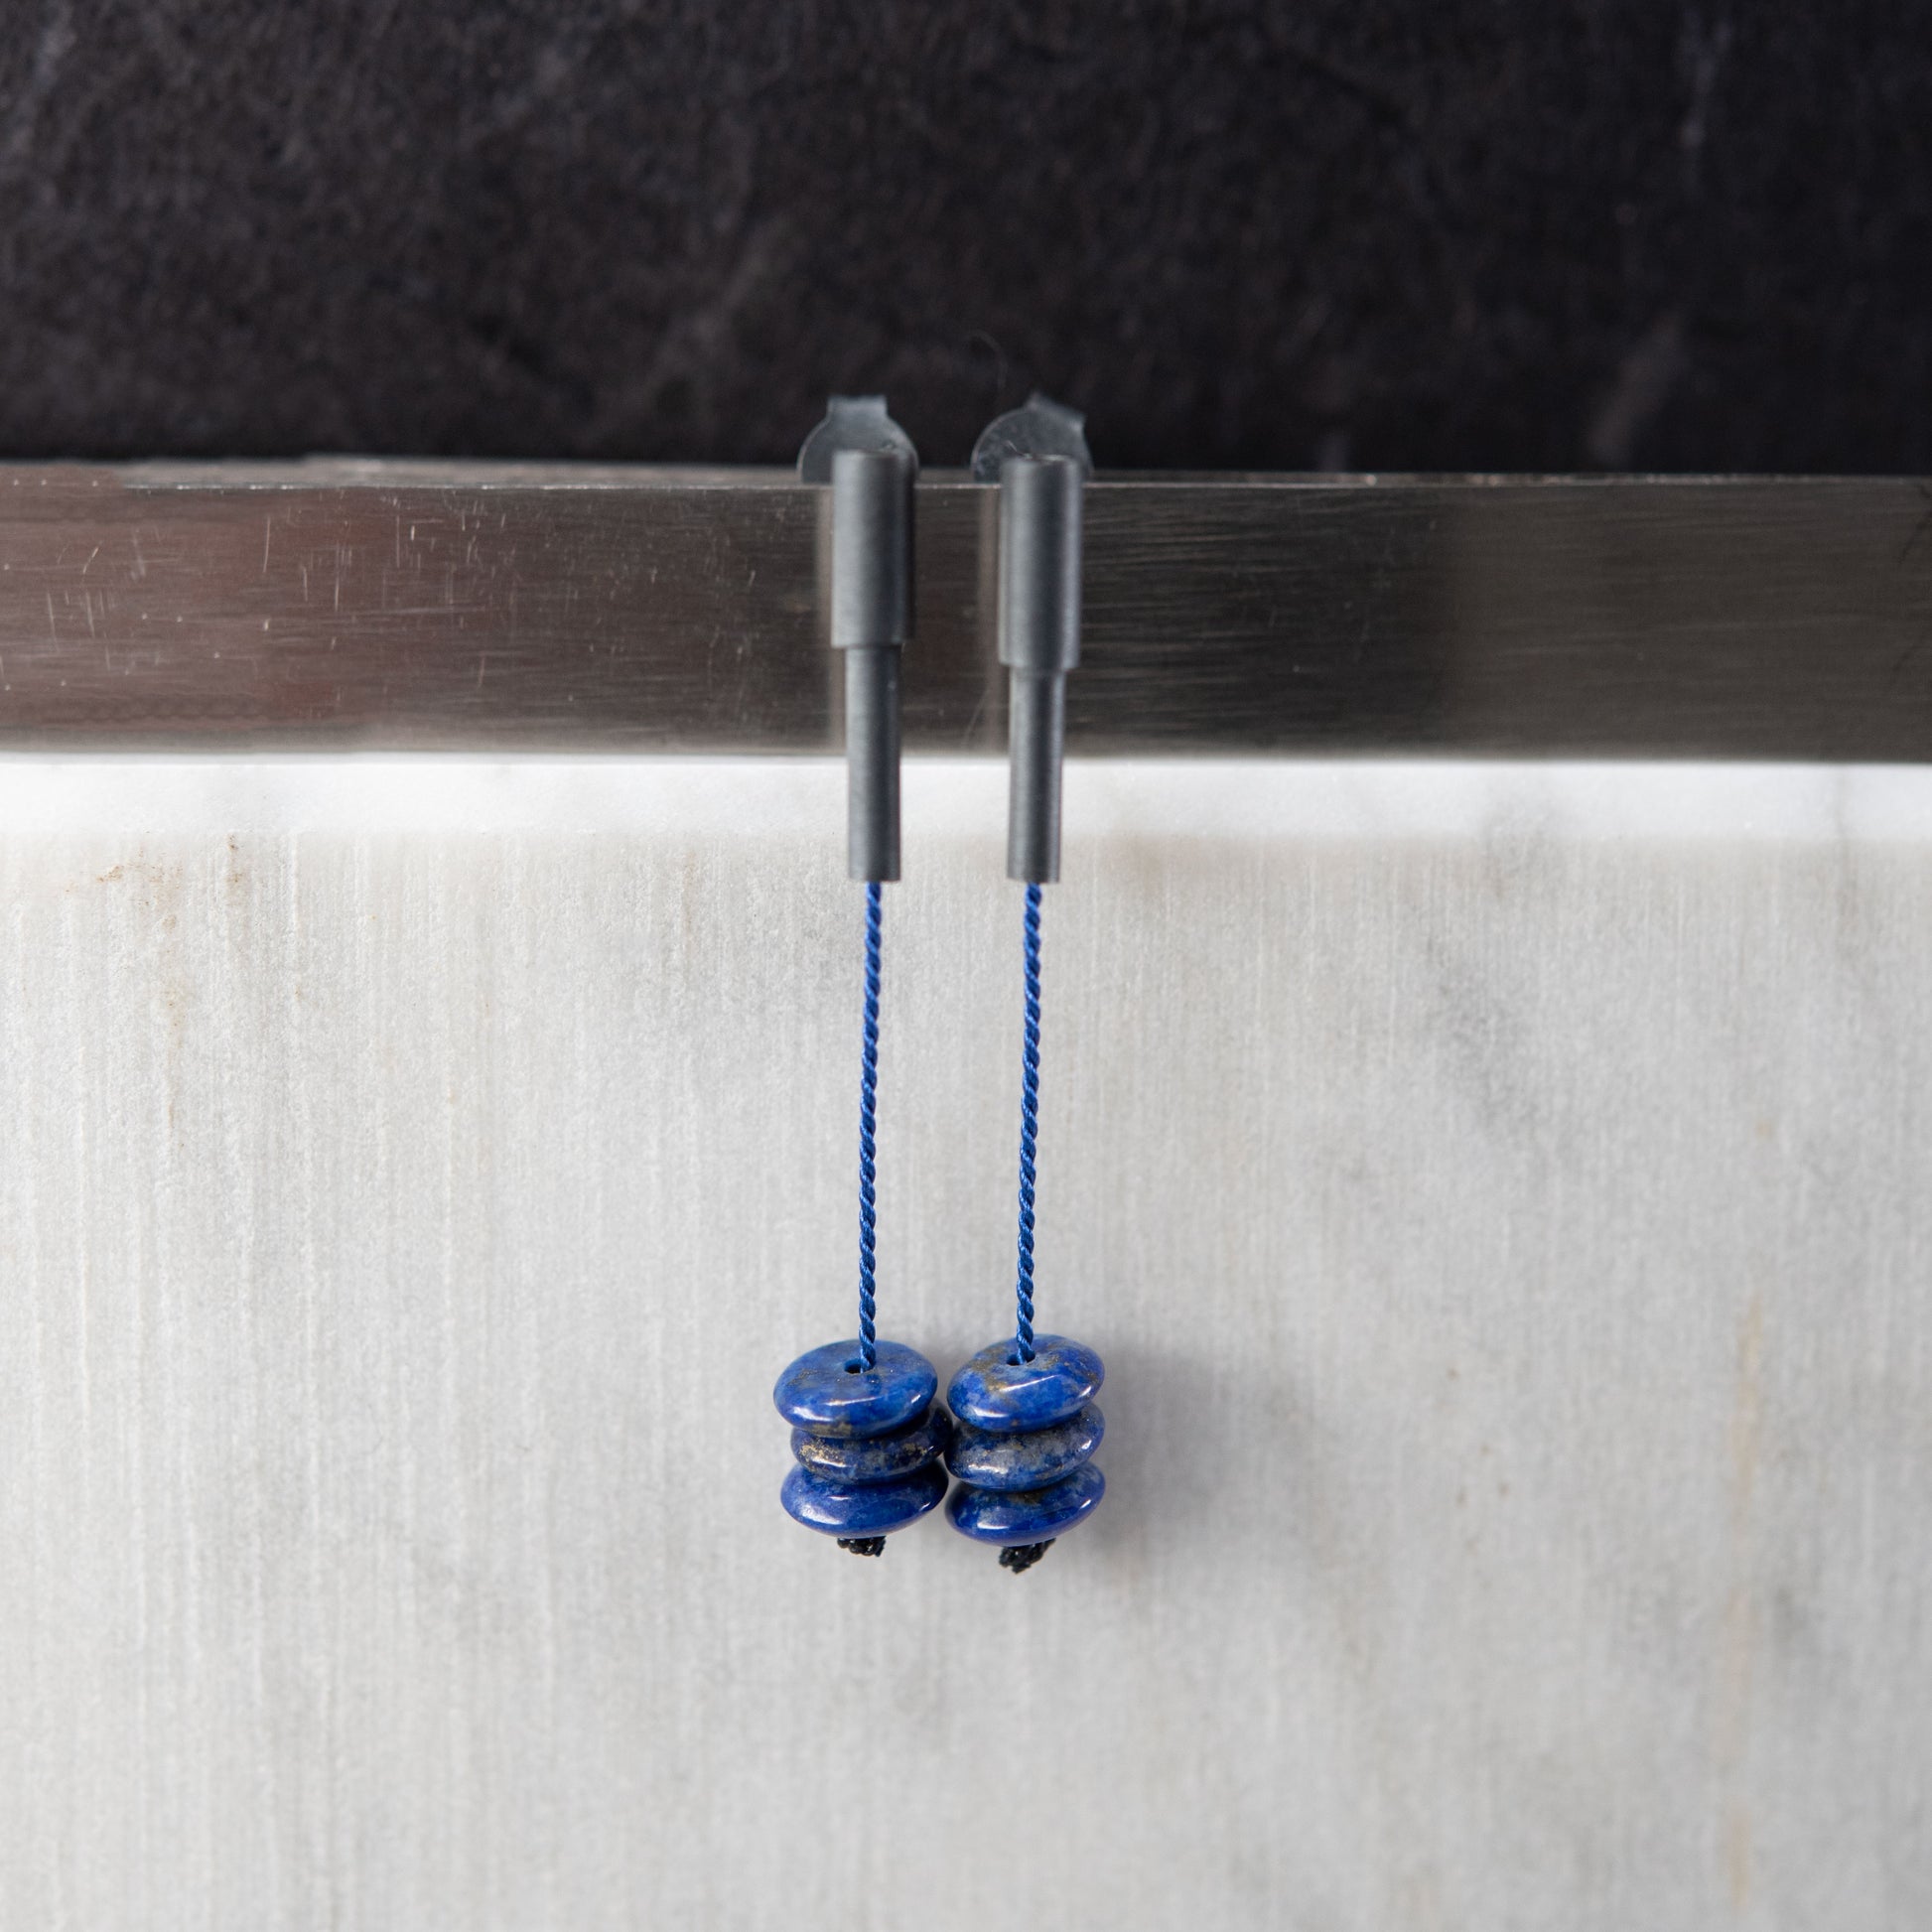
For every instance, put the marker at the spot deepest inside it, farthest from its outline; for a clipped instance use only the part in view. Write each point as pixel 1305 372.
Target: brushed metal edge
pixel 401 604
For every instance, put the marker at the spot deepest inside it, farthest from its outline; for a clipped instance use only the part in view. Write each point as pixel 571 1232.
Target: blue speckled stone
pixel 1015 1516
pixel 862 1508
pixel 999 1394
pixel 876 1458
pixel 1029 1460
pixel 820 1393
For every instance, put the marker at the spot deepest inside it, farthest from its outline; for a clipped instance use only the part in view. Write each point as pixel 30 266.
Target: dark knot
pixel 1023 1556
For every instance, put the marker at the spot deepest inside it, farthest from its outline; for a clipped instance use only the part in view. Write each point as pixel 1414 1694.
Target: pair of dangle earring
pixel 872 1449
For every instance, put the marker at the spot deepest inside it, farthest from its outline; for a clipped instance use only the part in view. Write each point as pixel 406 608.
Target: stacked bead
pixel 1025 1429
pixel 870 1442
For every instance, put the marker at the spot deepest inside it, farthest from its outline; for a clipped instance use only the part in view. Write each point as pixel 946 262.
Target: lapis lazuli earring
pixel 1026 1421
pixel 867 1439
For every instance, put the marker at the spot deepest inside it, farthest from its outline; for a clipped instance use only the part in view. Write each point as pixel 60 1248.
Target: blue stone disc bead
pixel 1030 1460
pixel 876 1458
pixel 870 1443
pixel 858 1512
pixel 1021 1446
pixel 1014 1517
pixel 827 1392
pixel 998 1392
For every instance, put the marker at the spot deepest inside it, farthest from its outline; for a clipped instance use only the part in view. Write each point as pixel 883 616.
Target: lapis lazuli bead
pixel 876 1458
pixel 1020 1516
pixel 850 1510
pixel 827 1392
pixel 1029 1460
pixel 998 1392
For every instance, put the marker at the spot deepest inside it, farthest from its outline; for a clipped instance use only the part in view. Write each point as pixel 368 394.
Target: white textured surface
pixel 1500 1197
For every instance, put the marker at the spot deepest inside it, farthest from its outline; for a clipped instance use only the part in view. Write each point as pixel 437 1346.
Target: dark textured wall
pixel 1366 233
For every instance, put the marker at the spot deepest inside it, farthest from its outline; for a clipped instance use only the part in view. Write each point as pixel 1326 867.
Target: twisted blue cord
pixel 1029 1126
pixel 868 1114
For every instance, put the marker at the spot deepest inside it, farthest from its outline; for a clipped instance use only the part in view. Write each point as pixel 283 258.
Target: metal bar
pixel 464 607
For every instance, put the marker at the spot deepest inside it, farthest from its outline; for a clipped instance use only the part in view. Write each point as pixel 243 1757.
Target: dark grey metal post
pixel 1040 643
pixel 871 617
pixel 871 465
